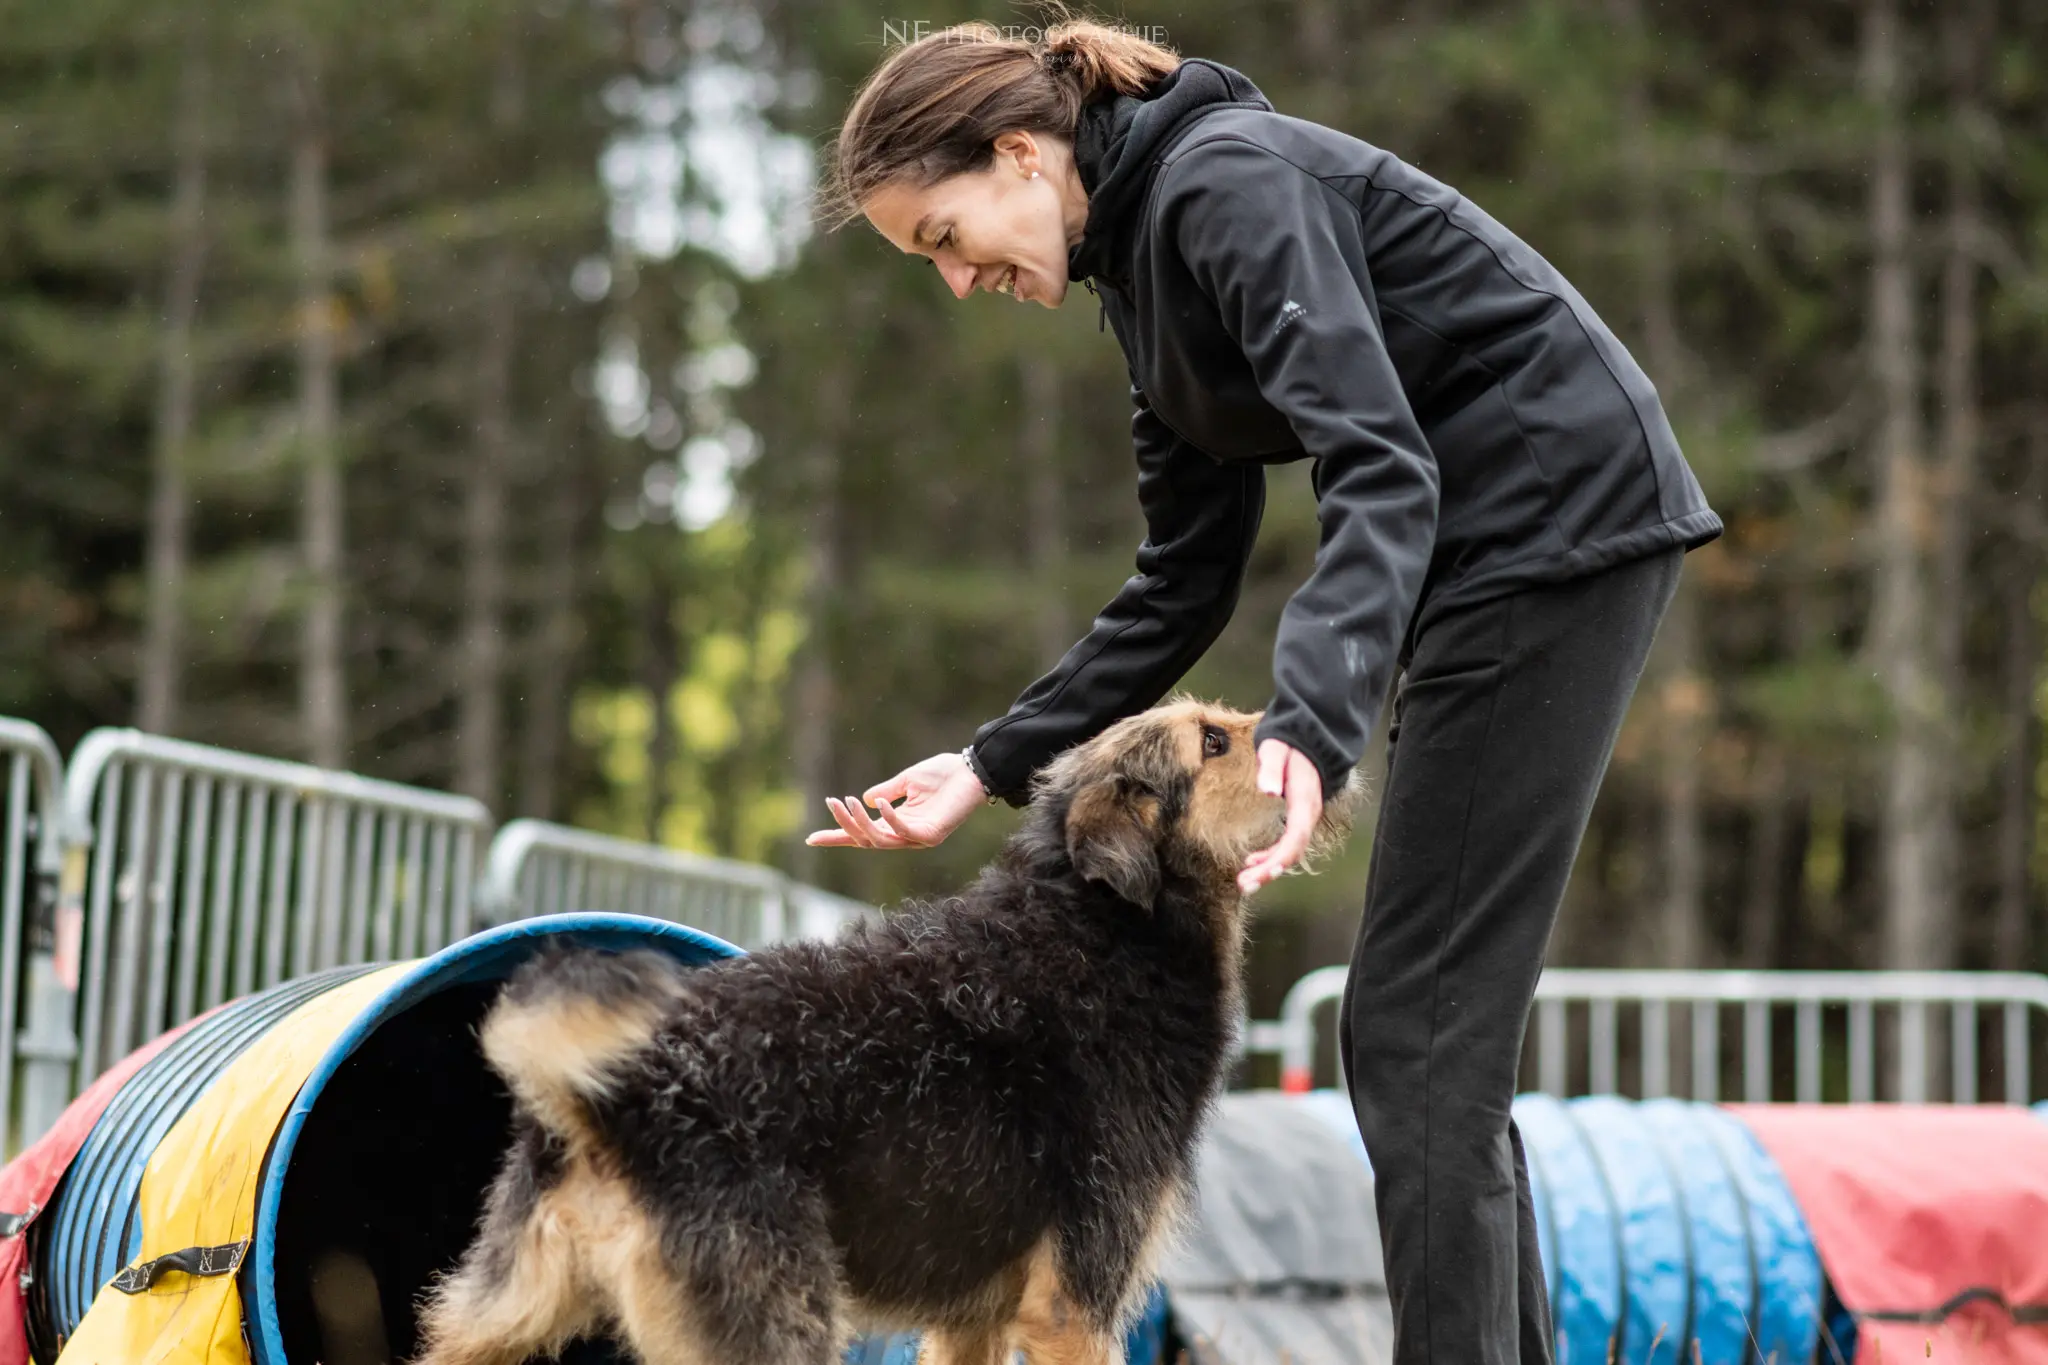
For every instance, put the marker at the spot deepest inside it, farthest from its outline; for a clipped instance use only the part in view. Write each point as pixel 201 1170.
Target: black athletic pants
pixel 1501 728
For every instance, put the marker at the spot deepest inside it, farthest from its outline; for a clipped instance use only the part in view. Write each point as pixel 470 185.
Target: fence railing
pixel 152 879
pixel 195 875
pixel 539 868
pixel 30 857
pixel 1856 1036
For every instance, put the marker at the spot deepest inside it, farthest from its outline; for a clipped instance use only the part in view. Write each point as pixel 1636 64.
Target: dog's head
pixel 1171 796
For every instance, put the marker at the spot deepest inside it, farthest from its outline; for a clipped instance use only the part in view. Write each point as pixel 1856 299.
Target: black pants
pixel 1501 728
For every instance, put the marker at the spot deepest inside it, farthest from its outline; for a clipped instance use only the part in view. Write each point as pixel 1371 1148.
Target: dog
pixel 975 1119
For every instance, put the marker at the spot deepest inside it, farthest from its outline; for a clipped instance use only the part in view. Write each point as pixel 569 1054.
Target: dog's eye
pixel 1215 743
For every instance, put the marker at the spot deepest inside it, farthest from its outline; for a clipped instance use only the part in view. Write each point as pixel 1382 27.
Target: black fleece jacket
pixel 1283 291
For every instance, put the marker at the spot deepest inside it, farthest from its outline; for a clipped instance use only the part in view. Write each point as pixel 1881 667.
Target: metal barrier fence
pixel 193 875
pixel 158 878
pixel 539 868
pixel 30 853
pixel 1850 1033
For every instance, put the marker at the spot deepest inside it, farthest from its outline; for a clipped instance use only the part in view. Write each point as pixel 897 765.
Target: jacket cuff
pixel 1333 767
pixel 988 785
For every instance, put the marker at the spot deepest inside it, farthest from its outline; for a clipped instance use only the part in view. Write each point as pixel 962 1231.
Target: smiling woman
pixel 960 149
pixel 1503 508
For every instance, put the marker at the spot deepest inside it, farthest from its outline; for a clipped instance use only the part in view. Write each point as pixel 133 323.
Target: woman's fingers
pixel 895 789
pixel 1300 785
pixel 895 822
pixel 915 788
pixel 1304 808
pixel 876 836
pixel 1301 822
pixel 935 793
pixel 1273 757
pixel 856 832
pixel 846 822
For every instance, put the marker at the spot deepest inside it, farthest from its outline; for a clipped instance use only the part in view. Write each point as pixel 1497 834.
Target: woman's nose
pixel 959 277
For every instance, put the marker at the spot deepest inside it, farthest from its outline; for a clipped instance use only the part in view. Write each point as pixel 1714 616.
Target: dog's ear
pixel 1112 837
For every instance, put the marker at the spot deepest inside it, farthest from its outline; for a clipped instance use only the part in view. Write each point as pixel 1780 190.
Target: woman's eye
pixel 1214 742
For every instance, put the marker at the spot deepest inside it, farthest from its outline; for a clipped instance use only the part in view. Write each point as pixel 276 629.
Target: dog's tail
pixel 567 1022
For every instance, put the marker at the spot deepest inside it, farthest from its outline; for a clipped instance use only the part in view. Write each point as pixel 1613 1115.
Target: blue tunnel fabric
pixel 1669 1224
pixel 1789 1272
pixel 1725 1288
pixel 1585 1265
pixel 1652 1229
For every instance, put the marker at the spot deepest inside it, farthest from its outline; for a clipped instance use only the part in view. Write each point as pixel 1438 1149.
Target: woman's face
pixel 996 229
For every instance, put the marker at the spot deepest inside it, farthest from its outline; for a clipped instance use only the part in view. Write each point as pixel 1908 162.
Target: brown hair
pixel 935 107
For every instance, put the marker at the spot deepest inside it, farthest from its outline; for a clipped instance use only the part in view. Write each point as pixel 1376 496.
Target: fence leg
pixel 48 1046
pixel 48 1049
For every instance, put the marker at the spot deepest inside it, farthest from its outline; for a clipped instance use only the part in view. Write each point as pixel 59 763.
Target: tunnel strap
pixel 197 1261
pixel 199 1191
pixel 2022 1314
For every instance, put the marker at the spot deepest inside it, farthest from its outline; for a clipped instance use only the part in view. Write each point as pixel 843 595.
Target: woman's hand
pixel 1284 772
pixel 937 795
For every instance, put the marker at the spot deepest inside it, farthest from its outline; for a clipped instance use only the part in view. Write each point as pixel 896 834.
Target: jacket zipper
pixel 1101 317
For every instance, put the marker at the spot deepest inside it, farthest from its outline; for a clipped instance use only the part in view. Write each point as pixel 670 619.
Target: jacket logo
pixel 1290 313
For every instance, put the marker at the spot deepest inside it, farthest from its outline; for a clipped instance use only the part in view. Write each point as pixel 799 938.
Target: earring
pixel 1034 175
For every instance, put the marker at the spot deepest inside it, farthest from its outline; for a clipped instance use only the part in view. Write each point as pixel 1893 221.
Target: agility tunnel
pixel 276 1181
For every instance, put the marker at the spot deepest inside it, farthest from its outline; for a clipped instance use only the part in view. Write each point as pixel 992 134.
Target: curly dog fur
pixel 975 1118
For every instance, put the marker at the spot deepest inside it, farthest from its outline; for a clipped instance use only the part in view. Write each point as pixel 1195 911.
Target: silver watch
pixel 967 757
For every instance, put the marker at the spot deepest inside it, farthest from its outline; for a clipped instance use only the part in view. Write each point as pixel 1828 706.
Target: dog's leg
pixel 1088 1280
pixel 486 1314
pixel 655 1314
pixel 518 1290
pixel 748 1274
pixel 1054 1327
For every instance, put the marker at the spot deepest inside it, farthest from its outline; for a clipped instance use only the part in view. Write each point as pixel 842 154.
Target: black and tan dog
pixel 975 1119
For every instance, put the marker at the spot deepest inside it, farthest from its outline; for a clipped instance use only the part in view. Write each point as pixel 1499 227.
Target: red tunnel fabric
pixel 1932 1222
pixel 27 1182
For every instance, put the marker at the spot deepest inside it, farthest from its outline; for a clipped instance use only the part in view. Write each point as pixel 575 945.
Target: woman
pixel 1503 508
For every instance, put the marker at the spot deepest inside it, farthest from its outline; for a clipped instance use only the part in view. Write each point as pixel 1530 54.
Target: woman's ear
pixel 1112 837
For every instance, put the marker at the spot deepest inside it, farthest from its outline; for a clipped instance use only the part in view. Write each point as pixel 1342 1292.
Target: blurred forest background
pixel 456 390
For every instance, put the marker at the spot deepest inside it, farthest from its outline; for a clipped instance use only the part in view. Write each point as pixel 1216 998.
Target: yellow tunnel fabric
pixel 199 1190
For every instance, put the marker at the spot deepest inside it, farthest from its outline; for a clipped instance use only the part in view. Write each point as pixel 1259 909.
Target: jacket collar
pixel 1118 139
